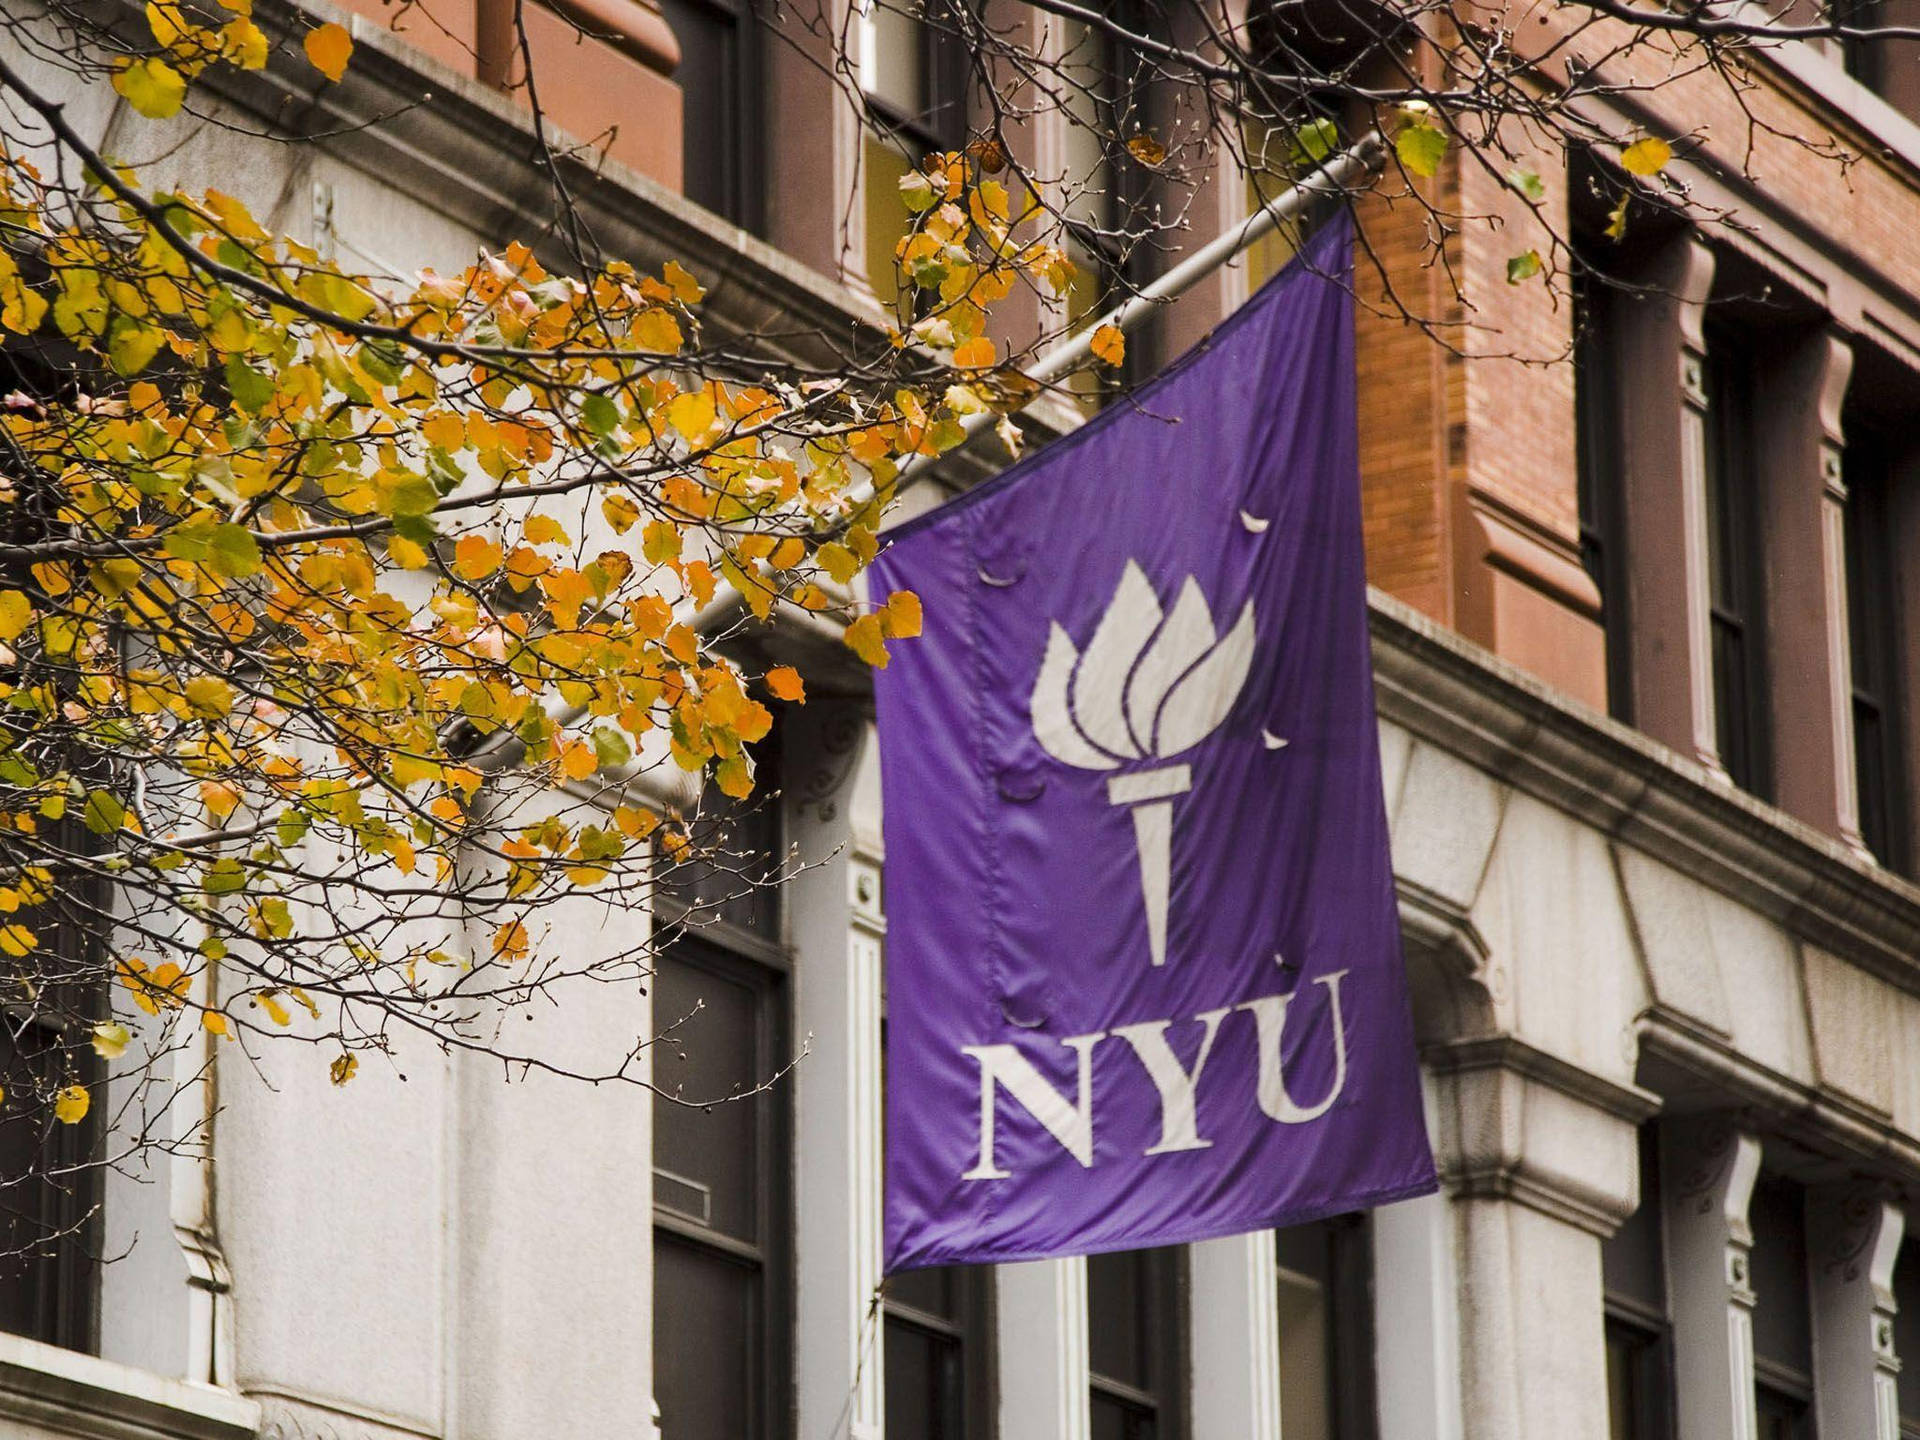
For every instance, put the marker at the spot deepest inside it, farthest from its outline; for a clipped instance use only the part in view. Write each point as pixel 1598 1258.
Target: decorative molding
pixel 834 758
pixel 290 1414
pixel 1507 1052
pixel 61 1392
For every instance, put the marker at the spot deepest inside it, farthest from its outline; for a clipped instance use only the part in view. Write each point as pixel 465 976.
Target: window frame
pixel 971 1333
pixel 743 199
pixel 1164 1310
pixel 1875 633
pixel 1600 475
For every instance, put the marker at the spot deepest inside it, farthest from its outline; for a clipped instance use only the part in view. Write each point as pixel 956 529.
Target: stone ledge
pixel 1468 702
pixel 47 1391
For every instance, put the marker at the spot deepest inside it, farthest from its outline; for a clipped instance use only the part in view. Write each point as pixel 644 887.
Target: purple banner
pixel 1143 965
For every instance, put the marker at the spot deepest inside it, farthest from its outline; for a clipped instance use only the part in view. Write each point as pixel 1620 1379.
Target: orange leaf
pixel 328 48
pixel 784 681
pixel 1110 345
pixel 903 614
pixel 975 354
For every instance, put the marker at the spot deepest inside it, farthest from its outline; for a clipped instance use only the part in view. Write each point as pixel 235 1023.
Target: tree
pixel 345 619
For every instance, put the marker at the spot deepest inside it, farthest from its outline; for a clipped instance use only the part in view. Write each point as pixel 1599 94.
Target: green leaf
pixel 599 414
pixel 224 877
pixel 104 814
pixel 232 551
pixel 611 747
pixel 1528 183
pixel 251 390
pixel 131 346
pixel 1421 146
pixel 1523 267
pixel 1314 143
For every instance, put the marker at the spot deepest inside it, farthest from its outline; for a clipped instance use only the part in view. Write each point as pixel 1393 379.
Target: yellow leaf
pixel 785 683
pixel 1147 150
pixel 543 530
pixel 838 561
pixel 691 414
pixel 208 697
pixel 329 47
pixel 110 1040
pixel 17 939
pixel 273 1007
pixel 902 614
pixel 213 1022
pixel 342 1069
pixel 1109 345
pixel 245 44
pixel 734 778
pixel 620 512
pixel 151 86
pixel 863 637
pixel 70 1105
pixel 578 760
pixel 1647 157
pixel 16 613
pixel 510 940
pixel 686 289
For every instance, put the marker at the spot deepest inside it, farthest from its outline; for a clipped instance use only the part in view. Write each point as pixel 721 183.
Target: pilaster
pixel 837 927
pixel 1235 1318
pixel 1856 1231
pixel 1042 1337
pixel 1664 404
pixel 1712 1165
pixel 1810 667
pixel 1540 1161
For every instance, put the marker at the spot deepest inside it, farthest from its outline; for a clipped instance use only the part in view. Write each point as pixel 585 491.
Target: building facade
pixel 1647 586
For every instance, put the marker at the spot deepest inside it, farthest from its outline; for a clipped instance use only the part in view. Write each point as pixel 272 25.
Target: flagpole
pixel 1351 165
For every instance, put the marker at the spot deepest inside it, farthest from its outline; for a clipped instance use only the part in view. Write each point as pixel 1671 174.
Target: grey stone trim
pixel 1455 695
pixel 47 1391
pixel 1507 1052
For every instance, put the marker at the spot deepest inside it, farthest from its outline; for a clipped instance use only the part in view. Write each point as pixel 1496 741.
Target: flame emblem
pixel 1151 684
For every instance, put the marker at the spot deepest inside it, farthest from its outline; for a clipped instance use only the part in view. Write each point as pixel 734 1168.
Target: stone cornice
pixel 1508 1052
pixel 43 1385
pixel 1457 696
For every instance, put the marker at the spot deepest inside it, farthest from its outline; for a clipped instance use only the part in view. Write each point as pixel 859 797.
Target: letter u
pixel 1270 1014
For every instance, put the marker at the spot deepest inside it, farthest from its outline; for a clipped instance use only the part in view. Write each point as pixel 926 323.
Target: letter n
pixel 1070 1124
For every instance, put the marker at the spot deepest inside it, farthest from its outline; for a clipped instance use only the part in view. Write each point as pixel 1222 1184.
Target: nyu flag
pixel 1144 973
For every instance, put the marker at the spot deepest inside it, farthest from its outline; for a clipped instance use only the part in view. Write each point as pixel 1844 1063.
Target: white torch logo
pixel 1150 684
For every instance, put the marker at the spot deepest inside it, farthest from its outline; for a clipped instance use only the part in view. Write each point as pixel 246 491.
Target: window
pixel 913 72
pixel 1136 1328
pixel 1103 104
pixel 1639 1346
pixel 721 123
pixel 938 1339
pixel 1734 561
pixel 721 1212
pixel 49 1191
pixel 1326 1330
pixel 1782 1317
pixel 1872 610
pixel 1601 483
pixel 1906 1334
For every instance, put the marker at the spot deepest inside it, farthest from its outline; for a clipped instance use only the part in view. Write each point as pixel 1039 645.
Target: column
pixel 837 927
pixel 1663 408
pixel 1235 1337
pixel 1041 1309
pixel 1855 1232
pixel 1804 537
pixel 1711 1165
pixel 1541 1163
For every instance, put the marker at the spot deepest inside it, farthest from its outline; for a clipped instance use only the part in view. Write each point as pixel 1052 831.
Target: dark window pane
pixel 1783 1416
pixel 1880 777
pixel 1906 1328
pixel 1630 1259
pixel 1118 1322
pixel 49 1194
pixel 932 1291
pixel 1639 1390
pixel 1325 1278
pixel 705 1341
pixel 719 114
pixel 1600 477
pixel 710 1011
pixel 1782 1322
pixel 1735 565
pixel 1116 1420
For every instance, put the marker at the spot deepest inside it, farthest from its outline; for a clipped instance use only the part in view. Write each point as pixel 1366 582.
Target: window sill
pixel 53 1392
